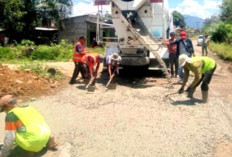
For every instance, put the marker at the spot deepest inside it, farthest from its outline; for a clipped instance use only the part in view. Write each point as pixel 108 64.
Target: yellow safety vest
pixel 209 63
pixel 37 131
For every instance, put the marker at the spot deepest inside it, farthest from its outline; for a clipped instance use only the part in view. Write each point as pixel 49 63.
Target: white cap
pixel 183 59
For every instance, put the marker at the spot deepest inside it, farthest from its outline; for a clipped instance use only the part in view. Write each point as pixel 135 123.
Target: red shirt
pixel 172 48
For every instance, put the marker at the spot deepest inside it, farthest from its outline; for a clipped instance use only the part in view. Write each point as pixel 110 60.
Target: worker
pixel 205 44
pixel 24 126
pixel 203 69
pixel 184 46
pixel 79 52
pixel 112 61
pixel 172 55
pixel 93 60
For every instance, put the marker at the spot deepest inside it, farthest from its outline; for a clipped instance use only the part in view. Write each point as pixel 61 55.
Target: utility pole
pixel 197 25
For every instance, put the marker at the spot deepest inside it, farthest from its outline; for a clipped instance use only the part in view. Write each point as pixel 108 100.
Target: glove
pixel 181 90
pixel 189 89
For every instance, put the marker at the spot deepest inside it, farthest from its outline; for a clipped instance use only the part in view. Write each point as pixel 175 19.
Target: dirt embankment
pixel 25 84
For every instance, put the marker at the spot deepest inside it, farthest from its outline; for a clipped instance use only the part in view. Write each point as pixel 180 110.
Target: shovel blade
pixel 91 88
pixel 112 86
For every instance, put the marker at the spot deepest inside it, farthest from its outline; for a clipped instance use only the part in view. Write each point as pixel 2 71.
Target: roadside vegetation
pixel 224 50
pixel 220 29
pixel 42 70
pixel 32 57
pixel 27 51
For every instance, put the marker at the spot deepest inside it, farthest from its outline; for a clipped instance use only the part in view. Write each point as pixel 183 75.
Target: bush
pixel 45 53
pixel 6 53
pixel 60 52
pixel 224 50
pixel 27 42
pixel 55 52
pixel 221 32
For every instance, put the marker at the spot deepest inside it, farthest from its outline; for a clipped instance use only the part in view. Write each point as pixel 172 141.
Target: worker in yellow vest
pixel 24 126
pixel 203 69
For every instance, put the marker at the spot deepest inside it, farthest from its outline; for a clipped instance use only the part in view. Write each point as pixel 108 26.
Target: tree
pixel 226 11
pixel 210 24
pixel 211 20
pixel 53 9
pixel 18 18
pixel 178 19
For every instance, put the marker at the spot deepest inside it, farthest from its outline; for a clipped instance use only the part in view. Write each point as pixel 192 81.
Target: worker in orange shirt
pixel 79 53
pixel 91 61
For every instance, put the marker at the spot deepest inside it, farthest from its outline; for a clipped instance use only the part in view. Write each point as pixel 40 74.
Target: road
pixel 139 118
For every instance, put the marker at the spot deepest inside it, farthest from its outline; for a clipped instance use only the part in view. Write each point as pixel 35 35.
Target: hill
pixel 193 21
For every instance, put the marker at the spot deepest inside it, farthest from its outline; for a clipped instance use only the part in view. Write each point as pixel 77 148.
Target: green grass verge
pixel 21 53
pixel 224 50
pixel 41 69
pixel 98 50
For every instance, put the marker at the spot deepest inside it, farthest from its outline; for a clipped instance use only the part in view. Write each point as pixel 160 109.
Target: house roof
pixel 45 29
pixel 101 23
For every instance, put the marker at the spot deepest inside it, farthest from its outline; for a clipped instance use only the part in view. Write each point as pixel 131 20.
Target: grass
pixel 41 70
pixel 224 50
pixel 23 53
pixel 30 56
pixel 98 50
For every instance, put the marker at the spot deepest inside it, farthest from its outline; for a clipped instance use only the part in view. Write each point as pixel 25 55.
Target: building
pixel 74 27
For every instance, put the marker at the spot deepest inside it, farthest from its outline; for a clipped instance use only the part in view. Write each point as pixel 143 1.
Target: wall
pixel 75 27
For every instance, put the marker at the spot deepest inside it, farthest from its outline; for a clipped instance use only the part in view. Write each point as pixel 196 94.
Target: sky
pixel 200 8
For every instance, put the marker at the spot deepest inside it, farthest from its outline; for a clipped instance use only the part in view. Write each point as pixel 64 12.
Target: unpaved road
pixel 138 119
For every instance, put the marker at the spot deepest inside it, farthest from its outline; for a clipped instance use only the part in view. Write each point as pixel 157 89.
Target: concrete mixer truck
pixel 141 26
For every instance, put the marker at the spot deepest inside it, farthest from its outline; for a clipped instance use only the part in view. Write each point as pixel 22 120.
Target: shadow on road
pixel 82 87
pixel 133 77
pixel 189 102
pixel 19 152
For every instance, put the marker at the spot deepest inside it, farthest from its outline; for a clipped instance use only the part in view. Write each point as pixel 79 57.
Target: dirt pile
pixel 25 83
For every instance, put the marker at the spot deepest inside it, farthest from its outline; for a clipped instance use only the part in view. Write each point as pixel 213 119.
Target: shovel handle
pixel 91 80
pixel 111 78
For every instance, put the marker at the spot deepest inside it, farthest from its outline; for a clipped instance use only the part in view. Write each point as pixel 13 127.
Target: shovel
pixel 110 85
pixel 91 85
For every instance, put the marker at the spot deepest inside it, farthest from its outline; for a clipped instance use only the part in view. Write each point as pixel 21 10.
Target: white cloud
pixel 89 1
pixel 188 7
pixel 194 8
pixel 84 8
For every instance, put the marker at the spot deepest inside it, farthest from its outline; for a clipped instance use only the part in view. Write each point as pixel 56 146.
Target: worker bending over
pixel 24 126
pixel 93 61
pixel 112 61
pixel 203 69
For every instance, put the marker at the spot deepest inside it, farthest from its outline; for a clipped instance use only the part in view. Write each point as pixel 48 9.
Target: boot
pixel 205 96
pixel 190 94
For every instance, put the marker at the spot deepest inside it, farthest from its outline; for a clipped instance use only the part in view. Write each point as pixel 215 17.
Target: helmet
pixel 5 100
pixel 100 58
pixel 183 59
